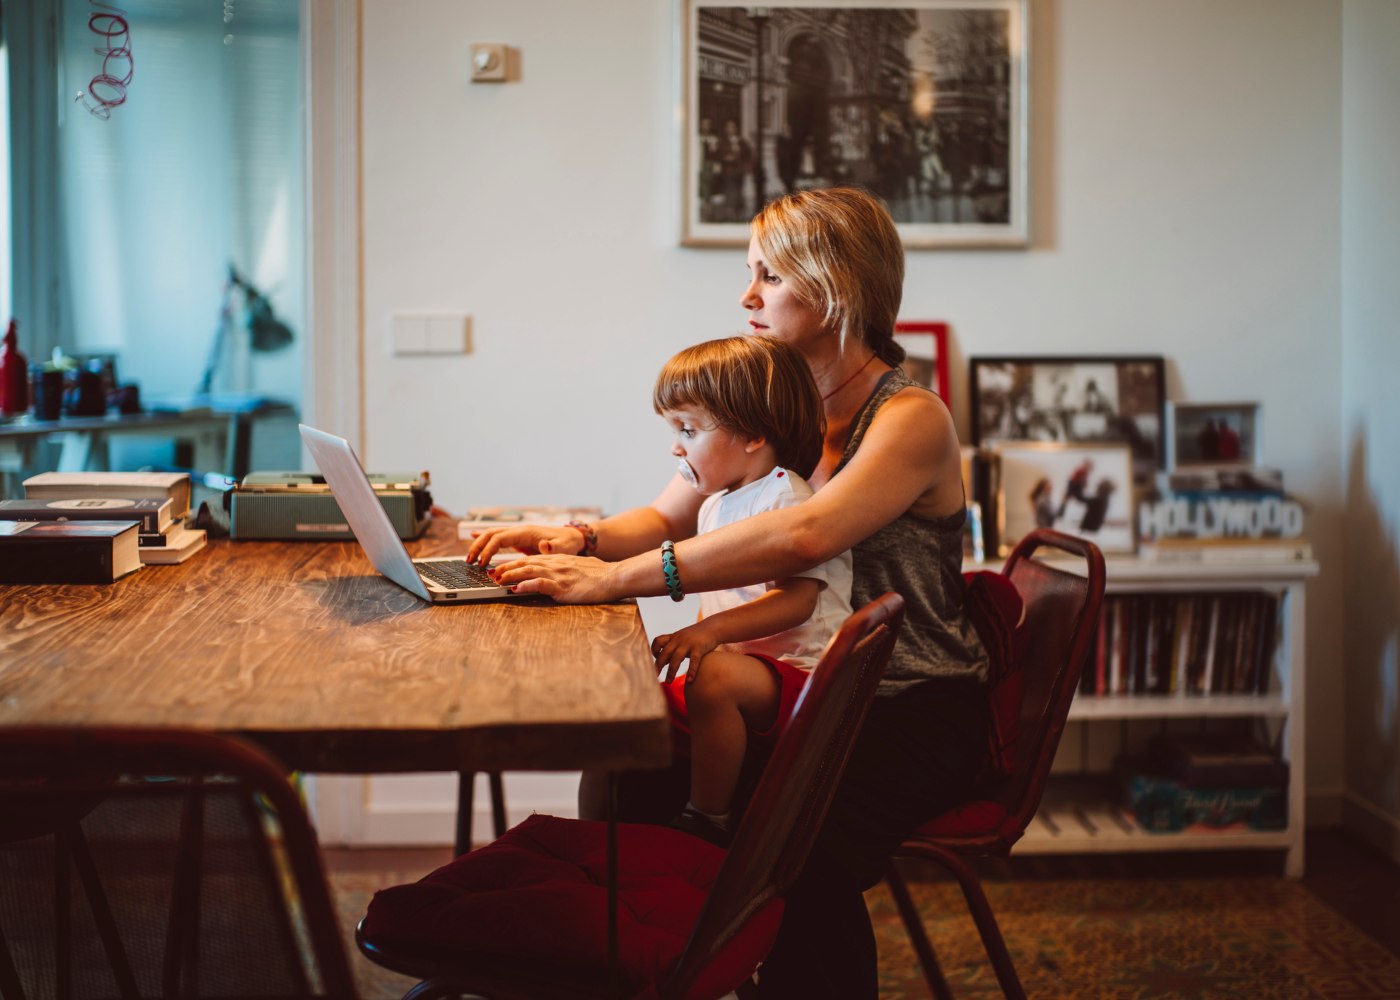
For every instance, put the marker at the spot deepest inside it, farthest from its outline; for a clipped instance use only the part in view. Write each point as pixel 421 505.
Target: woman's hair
pixel 839 250
pixel 754 386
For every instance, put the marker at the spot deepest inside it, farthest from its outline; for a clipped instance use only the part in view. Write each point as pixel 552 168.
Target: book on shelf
pixel 1226 550
pixel 152 516
pixel 174 486
pixel 1220 642
pixel 180 544
pixel 67 551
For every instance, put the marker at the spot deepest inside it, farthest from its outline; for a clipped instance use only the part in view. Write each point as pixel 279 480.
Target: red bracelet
pixel 590 537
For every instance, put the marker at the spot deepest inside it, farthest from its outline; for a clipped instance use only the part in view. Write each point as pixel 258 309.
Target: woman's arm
pixel 671 515
pixel 909 458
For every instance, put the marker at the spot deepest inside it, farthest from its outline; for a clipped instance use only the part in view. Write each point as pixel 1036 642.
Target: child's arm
pixel 786 605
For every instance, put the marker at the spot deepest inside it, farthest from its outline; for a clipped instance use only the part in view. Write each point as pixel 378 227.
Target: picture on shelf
pixel 925 353
pixel 1084 490
pixel 1072 400
pixel 1212 435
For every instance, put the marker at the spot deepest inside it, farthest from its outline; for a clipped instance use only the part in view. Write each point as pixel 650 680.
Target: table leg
pixel 498 803
pixel 466 781
pixel 612 886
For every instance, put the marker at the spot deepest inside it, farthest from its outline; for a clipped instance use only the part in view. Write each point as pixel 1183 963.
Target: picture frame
pixel 1082 489
pixel 1069 399
pixel 1212 435
pixel 925 353
pixel 922 102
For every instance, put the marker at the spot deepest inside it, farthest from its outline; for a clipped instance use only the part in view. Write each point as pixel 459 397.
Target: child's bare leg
pixel 731 694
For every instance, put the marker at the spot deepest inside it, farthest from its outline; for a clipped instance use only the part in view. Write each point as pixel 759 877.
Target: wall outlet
pixel 431 333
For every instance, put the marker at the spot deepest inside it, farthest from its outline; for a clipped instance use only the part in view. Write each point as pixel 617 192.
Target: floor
pixel 1343 874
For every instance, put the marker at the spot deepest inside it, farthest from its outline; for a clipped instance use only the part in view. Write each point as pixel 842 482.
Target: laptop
pixel 438 579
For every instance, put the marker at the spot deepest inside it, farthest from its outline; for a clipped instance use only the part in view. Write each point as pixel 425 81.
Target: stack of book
pixel 154 504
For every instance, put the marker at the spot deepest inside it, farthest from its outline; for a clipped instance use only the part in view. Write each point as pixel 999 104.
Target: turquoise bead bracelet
pixel 672 574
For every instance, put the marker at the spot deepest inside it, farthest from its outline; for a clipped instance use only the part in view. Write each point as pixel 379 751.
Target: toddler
pixel 748 428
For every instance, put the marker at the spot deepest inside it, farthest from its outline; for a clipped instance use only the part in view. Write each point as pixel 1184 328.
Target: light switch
pixel 410 334
pixel 448 334
pixel 489 62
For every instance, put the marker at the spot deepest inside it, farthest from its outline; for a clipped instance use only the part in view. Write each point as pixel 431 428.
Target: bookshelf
pixel 1080 812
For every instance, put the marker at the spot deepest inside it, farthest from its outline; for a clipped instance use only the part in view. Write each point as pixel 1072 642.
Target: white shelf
pixel 1087 823
pixel 1103 828
pixel 1088 707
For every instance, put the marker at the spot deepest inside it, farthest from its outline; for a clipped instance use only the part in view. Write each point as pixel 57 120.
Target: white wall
pixel 1186 177
pixel 1370 429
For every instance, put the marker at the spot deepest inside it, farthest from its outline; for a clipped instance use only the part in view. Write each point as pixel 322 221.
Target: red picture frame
pixel 926 348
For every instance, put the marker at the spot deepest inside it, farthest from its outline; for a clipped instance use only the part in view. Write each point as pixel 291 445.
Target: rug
pixel 1105 939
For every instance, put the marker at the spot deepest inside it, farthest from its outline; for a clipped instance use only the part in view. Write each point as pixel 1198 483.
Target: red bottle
pixel 14 375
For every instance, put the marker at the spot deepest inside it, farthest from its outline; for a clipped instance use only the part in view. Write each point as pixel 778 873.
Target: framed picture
pixel 922 102
pixel 1082 489
pixel 1072 400
pixel 925 353
pixel 1212 435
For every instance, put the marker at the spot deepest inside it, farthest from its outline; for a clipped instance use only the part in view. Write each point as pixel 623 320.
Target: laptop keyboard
pixel 457 574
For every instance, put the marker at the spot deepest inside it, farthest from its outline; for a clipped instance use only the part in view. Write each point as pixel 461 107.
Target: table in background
pixel 305 649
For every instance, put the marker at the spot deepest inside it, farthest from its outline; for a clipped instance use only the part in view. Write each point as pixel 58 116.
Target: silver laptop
pixel 440 579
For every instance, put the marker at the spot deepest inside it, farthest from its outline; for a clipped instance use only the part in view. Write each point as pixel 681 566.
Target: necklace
pixel 849 380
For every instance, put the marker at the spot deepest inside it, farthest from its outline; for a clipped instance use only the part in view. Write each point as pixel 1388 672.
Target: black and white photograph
pixel 923 104
pixel 1212 435
pixel 1085 490
pixel 1072 400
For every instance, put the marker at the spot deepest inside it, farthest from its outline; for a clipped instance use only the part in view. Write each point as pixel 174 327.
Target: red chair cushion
pixel 537 898
pixel 971 819
pixel 994 607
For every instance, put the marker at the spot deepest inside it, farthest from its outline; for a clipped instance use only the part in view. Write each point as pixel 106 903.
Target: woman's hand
pixel 527 538
pixel 690 643
pixel 567 579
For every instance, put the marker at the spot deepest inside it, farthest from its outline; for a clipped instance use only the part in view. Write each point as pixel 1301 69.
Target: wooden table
pixel 305 649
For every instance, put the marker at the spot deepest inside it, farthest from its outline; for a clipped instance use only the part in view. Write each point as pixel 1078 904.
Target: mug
pixel 46 392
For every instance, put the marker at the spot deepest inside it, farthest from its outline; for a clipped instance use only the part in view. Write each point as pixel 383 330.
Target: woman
pixel 826 276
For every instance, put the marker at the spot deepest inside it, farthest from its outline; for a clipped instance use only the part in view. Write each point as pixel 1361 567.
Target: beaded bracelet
pixel 672 574
pixel 590 537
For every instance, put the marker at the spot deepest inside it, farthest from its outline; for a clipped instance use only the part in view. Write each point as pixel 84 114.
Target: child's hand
pixel 690 643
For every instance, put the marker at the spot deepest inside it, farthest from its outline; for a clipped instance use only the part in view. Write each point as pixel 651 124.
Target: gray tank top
pixel 921 560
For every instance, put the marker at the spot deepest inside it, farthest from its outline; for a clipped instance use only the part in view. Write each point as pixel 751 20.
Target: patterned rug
pixel 1106 939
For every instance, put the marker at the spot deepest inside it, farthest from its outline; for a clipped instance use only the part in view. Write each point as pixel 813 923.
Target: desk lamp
pixel 265 331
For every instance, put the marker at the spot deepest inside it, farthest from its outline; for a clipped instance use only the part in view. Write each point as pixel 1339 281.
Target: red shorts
pixel 791 681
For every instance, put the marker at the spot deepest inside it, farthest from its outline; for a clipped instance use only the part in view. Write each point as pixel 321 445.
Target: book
pixel 162 538
pixel 181 543
pixel 495 517
pixel 152 516
pixel 130 485
pixel 67 551
pixel 1226 550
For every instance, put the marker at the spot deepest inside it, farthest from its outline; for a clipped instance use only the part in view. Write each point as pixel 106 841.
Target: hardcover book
pixel 174 486
pixel 153 516
pixel 67 551
pixel 180 544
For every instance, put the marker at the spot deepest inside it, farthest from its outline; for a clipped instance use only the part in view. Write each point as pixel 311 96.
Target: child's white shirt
pixel 800 646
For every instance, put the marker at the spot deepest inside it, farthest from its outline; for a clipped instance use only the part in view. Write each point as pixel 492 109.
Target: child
pixel 749 426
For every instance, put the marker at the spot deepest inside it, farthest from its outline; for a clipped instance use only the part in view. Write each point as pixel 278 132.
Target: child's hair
pixel 755 386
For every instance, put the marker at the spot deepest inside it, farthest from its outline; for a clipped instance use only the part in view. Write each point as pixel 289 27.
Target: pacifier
pixel 687 473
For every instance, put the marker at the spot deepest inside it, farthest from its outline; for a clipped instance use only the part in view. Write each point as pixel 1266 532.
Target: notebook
pixel 439 579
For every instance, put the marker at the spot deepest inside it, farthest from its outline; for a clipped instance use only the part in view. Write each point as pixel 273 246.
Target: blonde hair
pixel 839 250
pixel 754 386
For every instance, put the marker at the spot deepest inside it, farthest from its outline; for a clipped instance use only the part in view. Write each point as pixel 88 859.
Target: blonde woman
pixel 826 274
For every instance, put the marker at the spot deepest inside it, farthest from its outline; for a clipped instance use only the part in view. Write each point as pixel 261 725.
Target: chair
pixel 141 863
pixel 1061 618
pixel 525 916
